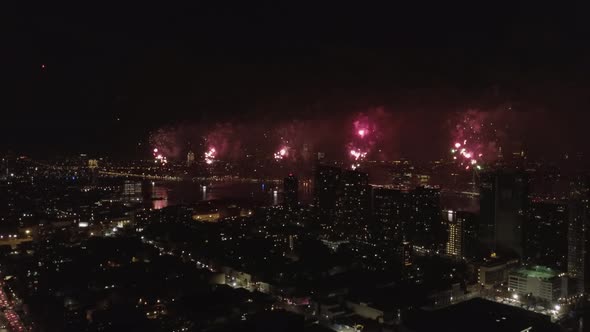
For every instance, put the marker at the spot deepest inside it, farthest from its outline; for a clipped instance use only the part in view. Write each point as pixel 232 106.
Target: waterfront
pixel 173 193
pixel 170 193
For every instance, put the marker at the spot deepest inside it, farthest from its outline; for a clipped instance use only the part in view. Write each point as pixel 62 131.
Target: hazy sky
pixel 92 77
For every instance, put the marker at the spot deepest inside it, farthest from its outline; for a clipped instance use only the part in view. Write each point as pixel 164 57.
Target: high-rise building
pixel 92 163
pixel 462 240
pixel 190 158
pixel 132 191
pixel 425 227
pixel 546 222
pixel 390 211
pixel 410 215
pixel 353 205
pixel 306 151
pixel 342 199
pixel 487 211
pixel 4 169
pixel 327 180
pixel 406 252
pixel 503 202
pixel 472 247
pixel 578 239
pixel 511 198
pixel 93 168
pixel 455 244
pixel 290 191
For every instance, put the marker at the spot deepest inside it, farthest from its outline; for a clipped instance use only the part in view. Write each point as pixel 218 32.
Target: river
pixel 173 193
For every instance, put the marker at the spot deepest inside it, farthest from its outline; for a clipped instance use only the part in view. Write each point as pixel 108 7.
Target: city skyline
pixel 294 167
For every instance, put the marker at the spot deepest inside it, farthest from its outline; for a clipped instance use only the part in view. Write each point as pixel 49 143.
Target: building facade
pixel 540 282
pixel 455 244
pixel 546 222
pixel 391 212
pixel 503 204
pixel 327 181
pixel 578 239
pixel 190 158
pixel 290 191
pixel 353 205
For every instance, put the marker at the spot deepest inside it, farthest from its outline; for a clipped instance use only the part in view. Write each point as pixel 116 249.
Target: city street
pixel 13 322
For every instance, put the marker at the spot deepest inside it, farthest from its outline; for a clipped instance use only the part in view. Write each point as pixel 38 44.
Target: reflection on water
pixel 172 193
pixel 457 202
pixel 159 197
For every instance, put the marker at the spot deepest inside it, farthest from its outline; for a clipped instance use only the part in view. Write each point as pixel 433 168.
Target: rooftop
pixel 479 315
pixel 537 271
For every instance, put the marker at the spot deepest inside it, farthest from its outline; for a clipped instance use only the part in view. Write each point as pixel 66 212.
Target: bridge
pixel 228 178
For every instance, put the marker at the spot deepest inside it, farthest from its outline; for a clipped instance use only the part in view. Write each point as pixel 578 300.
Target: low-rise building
pixel 541 282
pixel 494 271
pixel 478 315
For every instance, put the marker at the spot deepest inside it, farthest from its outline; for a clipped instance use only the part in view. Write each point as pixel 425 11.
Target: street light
pixel 515 296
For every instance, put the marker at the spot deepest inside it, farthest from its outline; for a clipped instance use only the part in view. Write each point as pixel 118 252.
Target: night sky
pixel 88 77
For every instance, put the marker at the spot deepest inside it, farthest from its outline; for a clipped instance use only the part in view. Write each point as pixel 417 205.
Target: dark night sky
pixel 151 65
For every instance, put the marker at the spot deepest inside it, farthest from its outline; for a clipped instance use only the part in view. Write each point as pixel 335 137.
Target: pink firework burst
pixel 282 153
pixel 475 138
pixel 167 141
pixel 210 155
pixel 224 141
pixel 362 140
pixel 358 154
pixel 159 158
